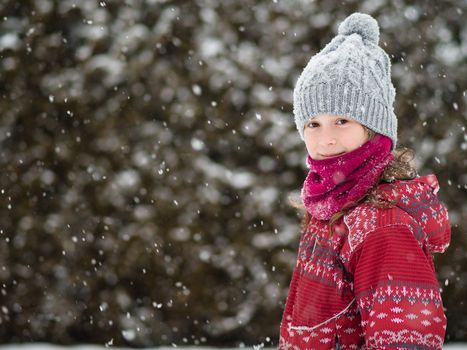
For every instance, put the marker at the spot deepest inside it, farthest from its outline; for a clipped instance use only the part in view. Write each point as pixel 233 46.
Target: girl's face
pixel 329 135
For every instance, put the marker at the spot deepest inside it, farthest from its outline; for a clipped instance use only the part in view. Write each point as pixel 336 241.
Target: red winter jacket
pixel 372 284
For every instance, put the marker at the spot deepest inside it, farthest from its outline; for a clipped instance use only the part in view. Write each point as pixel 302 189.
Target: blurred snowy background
pixel 148 150
pixel 44 346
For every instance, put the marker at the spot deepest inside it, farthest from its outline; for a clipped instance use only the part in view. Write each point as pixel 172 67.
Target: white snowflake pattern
pixel 425 312
pixel 397 310
pixel 406 336
pixel 397 320
pixel 284 345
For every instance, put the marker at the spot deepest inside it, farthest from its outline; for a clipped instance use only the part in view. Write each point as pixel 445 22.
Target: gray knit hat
pixel 350 76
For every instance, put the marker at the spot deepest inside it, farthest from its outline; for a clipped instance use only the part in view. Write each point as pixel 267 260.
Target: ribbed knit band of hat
pixel 351 77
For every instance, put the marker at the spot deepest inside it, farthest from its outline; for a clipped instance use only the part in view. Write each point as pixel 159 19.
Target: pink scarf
pixel 333 183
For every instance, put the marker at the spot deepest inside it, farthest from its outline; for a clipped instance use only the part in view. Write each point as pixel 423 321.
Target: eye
pixel 341 121
pixel 312 124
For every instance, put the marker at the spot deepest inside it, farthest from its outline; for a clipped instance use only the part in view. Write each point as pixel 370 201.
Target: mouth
pixel 331 155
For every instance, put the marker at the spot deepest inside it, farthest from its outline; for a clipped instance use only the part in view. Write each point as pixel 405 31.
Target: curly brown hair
pixel 400 168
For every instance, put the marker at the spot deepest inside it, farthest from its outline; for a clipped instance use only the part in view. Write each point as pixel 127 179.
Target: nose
pixel 327 138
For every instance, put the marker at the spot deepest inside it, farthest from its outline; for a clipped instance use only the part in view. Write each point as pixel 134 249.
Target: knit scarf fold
pixel 333 183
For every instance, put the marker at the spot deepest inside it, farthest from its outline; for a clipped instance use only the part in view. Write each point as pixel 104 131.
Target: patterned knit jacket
pixel 372 284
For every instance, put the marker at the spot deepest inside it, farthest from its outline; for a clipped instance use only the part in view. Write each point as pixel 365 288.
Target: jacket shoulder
pixel 365 218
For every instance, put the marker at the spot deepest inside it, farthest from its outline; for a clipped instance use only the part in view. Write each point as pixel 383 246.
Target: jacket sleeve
pixel 397 291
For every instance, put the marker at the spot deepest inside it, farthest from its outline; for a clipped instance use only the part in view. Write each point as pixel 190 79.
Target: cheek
pixel 310 144
pixel 360 136
pixel 354 137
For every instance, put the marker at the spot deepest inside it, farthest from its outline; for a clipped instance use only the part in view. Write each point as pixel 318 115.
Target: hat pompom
pixel 361 24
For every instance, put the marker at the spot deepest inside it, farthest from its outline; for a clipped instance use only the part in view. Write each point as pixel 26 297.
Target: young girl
pixel 364 276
